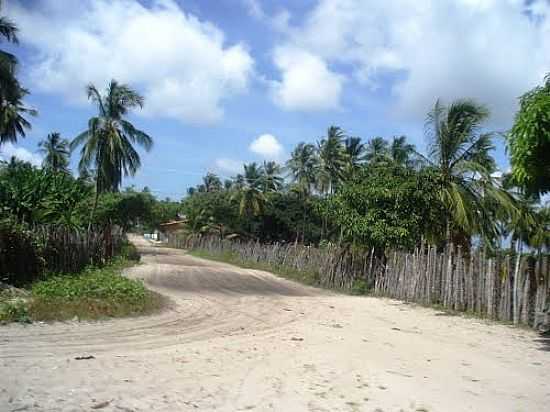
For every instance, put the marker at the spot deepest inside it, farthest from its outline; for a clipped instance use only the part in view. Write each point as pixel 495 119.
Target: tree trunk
pixel 96 198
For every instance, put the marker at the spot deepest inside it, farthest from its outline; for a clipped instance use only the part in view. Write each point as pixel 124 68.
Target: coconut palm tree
pixel 402 152
pixel 56 153
pixel 354 151
pixel 8 32
pixel 13 123
pixel 12 110
pixel 302 166
pixel 107 143
pixel 271 177
pixel 211 182
pixel 251 199
pixel 377 151
pixel 459 153
pixel 330 152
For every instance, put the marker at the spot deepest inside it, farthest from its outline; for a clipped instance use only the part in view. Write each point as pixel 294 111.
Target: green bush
pixel 130 252
pixel 14 310
pixel 94 293
pixel 93 283
pixel 359 287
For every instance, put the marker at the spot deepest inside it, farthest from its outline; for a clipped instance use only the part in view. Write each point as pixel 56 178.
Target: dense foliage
pixel 529 140
pixel 376 194
pixel 32 195
pixel 386 207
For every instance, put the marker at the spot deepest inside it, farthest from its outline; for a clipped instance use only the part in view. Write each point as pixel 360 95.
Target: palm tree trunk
pixel 304 219
pixel 96 198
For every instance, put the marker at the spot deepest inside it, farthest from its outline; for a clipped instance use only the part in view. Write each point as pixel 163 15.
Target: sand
pixel 237 340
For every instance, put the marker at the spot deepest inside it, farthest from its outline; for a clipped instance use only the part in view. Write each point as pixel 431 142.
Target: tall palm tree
pixel 12 110
pixel 377 150
pixel 459 152
pixel 271 177
pixel 354 151
pixel 402 152
pixel 212 182
pixel 302 166
pixel 250 196
pixel 107 144
pixel 330 151
pixel 8 32
pixel 56 153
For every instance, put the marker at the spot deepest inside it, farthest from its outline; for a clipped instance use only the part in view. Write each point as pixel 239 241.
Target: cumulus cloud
pixel 267 146
pixel 228 166
pixel 491 50
pixel 9 150
pixel 307 84
pixel 182 64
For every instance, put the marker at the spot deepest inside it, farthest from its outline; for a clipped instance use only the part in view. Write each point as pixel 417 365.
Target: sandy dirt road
pixel 238 340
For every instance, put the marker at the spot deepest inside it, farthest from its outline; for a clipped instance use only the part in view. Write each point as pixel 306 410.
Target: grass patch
pixel 309 278
pixel 94 293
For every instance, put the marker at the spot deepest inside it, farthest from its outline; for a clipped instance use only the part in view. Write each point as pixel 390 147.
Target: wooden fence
pixel 29 254
pixel 507 288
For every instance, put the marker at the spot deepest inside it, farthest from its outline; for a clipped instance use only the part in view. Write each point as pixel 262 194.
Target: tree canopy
pixel 529 140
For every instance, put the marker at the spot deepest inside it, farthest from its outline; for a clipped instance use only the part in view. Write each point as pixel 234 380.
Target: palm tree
pixel 228 184
pixel 211 182
pixel 376 151
pixel 331 160
pixel 302 166
pixel 402 152
pixel 271 179
pixel 12 109
pixel 460 155
pixel 354 151
pixel 107 144
pixel 8 31
pixel 56 153
pixel 250 196
pixel 303 171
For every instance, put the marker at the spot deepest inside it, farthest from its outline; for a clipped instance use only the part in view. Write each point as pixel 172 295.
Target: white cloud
pixel 229 166
pixel 182 64
pixel 278 21
pixel 254 9
pixel 8 150
pixel 491 50
pixel 267 146
pixel 307 83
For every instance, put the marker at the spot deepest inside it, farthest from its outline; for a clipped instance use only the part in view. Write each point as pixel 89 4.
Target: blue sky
pixel 228 81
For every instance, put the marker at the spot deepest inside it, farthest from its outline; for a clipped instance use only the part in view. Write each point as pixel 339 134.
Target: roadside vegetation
pixel 62 237
pixel 94 293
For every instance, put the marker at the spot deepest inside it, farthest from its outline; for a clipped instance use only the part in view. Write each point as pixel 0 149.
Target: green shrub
pixel 359 287
pixel 14 310
pixel 130 252
pixel 92 294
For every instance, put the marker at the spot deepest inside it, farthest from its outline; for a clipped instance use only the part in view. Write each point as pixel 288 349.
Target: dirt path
pixel 239 339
